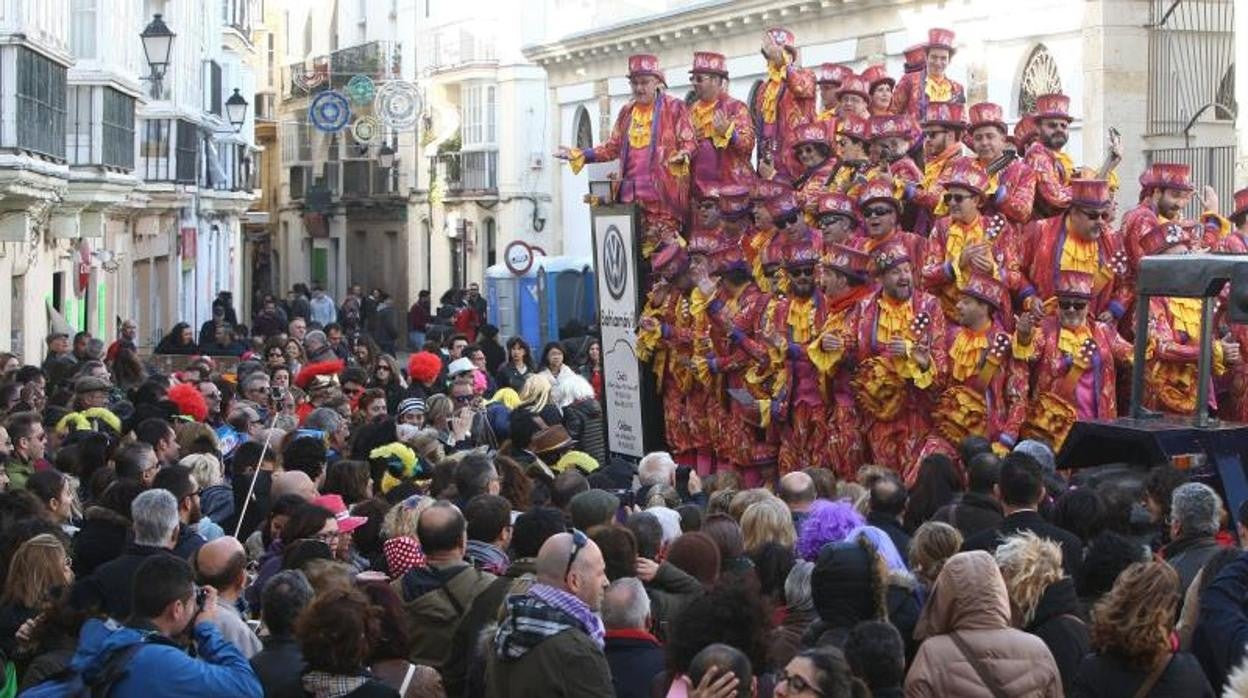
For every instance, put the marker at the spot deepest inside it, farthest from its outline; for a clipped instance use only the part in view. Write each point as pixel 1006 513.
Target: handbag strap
pixel 990 682
pixel 1153 677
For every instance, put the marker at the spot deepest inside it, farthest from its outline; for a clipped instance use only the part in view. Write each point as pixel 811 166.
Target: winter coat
pixel 1072 547
pixel 635 658
pixel 897 534
pixel 465 659
pixel 111 585
pixel 563 662
pixel 587 425
pixel 161 668
pixel 101 538
pixel 1057 622
pixel 971 514
pixel 436 598
pixel 1106 676
pixel 1188 555
pixel 279 667
pixel 969 598
pixel 1221 633
pixel 671 591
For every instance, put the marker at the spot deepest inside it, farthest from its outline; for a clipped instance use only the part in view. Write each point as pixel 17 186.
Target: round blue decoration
pixel 329 111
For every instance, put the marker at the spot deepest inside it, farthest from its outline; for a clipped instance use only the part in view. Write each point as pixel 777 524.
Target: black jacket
pixel 635 658
pixel 1057 622
pixel 1188 555
pixel 1072 547
pixel 112 584
pixel 972 514
pixel 896 533
pixel 1103 676
pixel 280 666
pixel 103 537
pixel 585 423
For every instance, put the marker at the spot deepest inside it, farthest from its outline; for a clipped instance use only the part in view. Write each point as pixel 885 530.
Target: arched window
pixel 583 128
pixel 1040 77
pixel 1226 109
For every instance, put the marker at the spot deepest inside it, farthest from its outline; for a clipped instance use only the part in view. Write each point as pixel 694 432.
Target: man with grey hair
pixel 316 346
pixel 1195 517
pixel 110 587
pixel 335 427
pixel 255 388
pixel 656 468
pixel 635 656
pixel 279 665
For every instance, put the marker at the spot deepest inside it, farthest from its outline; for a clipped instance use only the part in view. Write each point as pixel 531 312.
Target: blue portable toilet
pixel 535 305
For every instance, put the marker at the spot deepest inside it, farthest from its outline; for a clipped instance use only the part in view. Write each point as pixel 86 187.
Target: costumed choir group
pixel 821 298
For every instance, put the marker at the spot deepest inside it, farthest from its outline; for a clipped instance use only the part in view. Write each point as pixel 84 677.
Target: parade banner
pixel 616 254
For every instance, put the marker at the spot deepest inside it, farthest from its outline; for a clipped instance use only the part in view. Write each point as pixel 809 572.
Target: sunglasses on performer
pixel 1072 305
pixel 1096 215
pixel 876 212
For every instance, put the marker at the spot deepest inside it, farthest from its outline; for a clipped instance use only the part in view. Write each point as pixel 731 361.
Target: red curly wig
pixel 424 367
pixel 189 400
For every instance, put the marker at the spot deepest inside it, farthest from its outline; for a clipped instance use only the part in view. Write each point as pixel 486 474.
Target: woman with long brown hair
pixel 1131 631
pixel 40 566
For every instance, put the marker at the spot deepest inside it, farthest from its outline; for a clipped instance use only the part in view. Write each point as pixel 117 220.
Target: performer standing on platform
pixel 1165 190
pixel 1011 185
pixel 665 340
pixel 831 77
pixel 722 127
pixel 915 64
pixel 814 152
pixel 942 145
pixel 853 97
pixel 913 97
pixel 853 134
pixel 784 102
pixel 880 90
pixel 890 144
pixel 1053 167
pixel 654 142
pixel 880 211
pixel 837 220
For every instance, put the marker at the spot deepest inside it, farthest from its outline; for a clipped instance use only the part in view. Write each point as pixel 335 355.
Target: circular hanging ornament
pixel 366 129
pixel 329 111
pixel 360 90
pixel 398 104
pixel 307 80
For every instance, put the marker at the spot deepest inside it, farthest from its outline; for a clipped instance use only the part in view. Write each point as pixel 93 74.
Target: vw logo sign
pixel 615 262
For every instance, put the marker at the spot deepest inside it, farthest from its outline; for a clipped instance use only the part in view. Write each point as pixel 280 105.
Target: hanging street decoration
pixel 308 80
pixel 366 129
pixel 398 104
pixel 360 90
pixel 329 111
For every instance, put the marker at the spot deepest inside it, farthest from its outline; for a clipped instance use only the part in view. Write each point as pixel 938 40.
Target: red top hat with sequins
pixel 802 253
pixel 915 57
pixel 834 203
pixel 848 261
pixel 765 189
pixel 878 189
pixel 966 173
pixel 854 85
pixel 876 74
pixel 734 200
pixel 1241 205
pixel 988 114
pixel 1090 193
pixel 890 125
pixel 1053 106
pixel 710 63
pixel 1164 236
pixel 888 257
pixel 944 114
pixel 1168 175
pixel 784 39
pixel 810 133
pixel 670 261
pixel 833 73
pixel 855 126
pixel 940 38
pixel 986 288
pixel 782 204
pixel 1074 284
pixel 644 64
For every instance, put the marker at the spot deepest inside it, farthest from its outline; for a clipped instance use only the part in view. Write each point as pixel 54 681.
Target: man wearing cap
pixel 844 277
pixel 704 402
pixel 814 153
pixel 853 97
pixel 785 101
pixel 91 392
pixel 987 390
pixel 1011 185
pixel 967 242
pixel 411 411
pixel 853 137
pixel 58 351
pixel 932 85
pixel 722 127
pixel 881 211
pixel 1081 240
pixel 1174 331
pixel 901 364
pixel 890 143
pixel 831 77
pixel 735 219
pixel 791 233
pixel 665 340
pixel 1054 169
pixel 1073 355
pixel 1165 190
pixel 879 90
pixel 836 218
pixel 942 145
pixel 653 140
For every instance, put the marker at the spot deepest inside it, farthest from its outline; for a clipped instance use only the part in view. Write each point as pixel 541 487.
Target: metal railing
pixel 1214 166
pixel 471 171
pixel 1191 48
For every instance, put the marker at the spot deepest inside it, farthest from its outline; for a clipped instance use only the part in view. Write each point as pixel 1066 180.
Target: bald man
pixel 564 657
pixel 797 491
pixel 221 563
pixel 293 482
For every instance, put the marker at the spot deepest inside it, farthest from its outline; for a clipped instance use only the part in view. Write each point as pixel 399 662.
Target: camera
pixel 278 394
pixel 201 597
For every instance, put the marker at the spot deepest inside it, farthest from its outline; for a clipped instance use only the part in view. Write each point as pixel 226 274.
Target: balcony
pixel 100 130
pixel 169 151
pixel 467 173
pixel 379 60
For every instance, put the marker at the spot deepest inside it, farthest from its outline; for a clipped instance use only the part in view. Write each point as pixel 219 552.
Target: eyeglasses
pixel 833 220
pixel 786 220
pixel 796 683
pixel 956 198
pixel 352 391
pixel 802 272
pixel 382 368
pixel 808 148
pixel 876 212
pixel 1096 215
pixel 578 541
pixel 1072 305
pixel 464 399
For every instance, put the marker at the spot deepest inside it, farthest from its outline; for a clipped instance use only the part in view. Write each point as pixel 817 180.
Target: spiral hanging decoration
pixel 329 111
pixel 398 104
pixel 361 90
pixel 366 129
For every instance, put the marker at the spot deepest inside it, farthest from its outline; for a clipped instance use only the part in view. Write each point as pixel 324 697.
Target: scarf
pixel 640 122
pixel 487 557
pixel 540 614
pixel 966 351
pixel 938 89
pixel 324 685
pixel 771 90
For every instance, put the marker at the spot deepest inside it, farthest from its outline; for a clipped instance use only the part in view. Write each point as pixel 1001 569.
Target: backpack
pixel 70 683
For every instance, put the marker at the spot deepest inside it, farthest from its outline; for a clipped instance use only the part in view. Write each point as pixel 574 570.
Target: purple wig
pixel 827 522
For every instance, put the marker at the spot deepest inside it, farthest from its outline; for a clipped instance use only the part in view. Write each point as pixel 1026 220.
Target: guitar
pixel 1113 153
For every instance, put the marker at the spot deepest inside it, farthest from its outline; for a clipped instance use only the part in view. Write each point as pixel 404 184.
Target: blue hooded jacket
pixel 162 669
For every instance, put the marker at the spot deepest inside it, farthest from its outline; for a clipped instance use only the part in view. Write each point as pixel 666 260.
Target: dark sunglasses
pixel 833 220
pixel 786 220
pixel 1072 305
pixel 383 367
pixel 956 198
pixel 801 271
pixel 464 398
pixel 1096 215
pixel 809 148
pixel 352 391
pixel 876 212
pixel 578 541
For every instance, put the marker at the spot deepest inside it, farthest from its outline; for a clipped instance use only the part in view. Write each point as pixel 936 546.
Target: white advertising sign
pixel 617 304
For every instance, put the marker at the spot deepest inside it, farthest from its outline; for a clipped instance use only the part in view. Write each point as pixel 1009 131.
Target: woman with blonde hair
pixel 933 544
pixel 1043 601
pixel 1131 629
pixel 535 399
pixel 767 521
pixel 402 546
pixel 216 499
pixel 40 566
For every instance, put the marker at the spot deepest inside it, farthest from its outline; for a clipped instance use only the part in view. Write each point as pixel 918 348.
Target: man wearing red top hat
pixel 942 144
pixel 735 216
pixel 1174 331
pixel 654 141
pixel 831 77
pixel 853 97
pixel 1081 239
pixel 1011 185
pixel 1222 234
pixel 764 229
pixel 722 126
pixel 967 243
pixel 1165 190
pixel 901 364
pixel 880 211
pixel 1054 168
pixel 706 410
pixel 913 97
pixel 844 280
pixel 915 62
pixel 814 152
pixel 836 217
pixel 880 90
pixel 1024 134
pixel 987 389
pixel 785 101
pixel 890 143
pixel 1073 355
pixel 853 137
pixel 665 340
pixel 791 233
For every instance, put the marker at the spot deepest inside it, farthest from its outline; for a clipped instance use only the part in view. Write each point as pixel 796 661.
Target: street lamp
pixel 236 110
pixel 385 156
pixel 157 45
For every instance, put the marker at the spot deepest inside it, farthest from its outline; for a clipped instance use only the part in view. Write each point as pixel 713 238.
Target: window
pixel 479 115
pixel 212 83
pixel 82 28
pixel 41 97
pixel 118 131
pixel 79 125
pixel 355 174
pixel 187 152
pixel 305 141
pixel 583 128
pixel 271 52
pixel 1040 77
pixel 491 243
pixel 154 150
pixel 307 35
